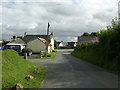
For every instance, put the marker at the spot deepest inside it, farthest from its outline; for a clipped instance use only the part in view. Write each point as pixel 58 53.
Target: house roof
pixel 18 40
pixel 86 38
pixel 27 39
pixel 41 36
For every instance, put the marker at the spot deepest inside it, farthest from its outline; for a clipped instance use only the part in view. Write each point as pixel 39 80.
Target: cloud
pixel 68 19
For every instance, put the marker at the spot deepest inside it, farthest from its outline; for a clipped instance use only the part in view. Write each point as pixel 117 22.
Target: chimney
pixel 14 38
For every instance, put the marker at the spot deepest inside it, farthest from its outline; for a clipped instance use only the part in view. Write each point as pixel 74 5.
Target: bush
pixel 66 47
pixel 54 51
pixel 48 55
pixel 110 40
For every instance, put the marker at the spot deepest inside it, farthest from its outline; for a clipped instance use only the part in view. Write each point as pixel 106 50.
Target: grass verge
pixel 15 69
pixel 52 55
pixel 96 59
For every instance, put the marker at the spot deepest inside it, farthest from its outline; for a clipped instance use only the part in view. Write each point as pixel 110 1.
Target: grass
pixel 15 69
pixel 96 59
pixel 52 55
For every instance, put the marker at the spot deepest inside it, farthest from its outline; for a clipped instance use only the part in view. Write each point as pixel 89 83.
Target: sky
pixel 68 18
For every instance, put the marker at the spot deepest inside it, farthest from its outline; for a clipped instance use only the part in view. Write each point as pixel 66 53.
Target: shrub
pixel 54 51
pixel 49 55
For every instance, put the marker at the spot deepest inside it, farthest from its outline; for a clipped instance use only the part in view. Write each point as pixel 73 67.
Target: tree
pixel 93 34
pixel 110 40
pixel 55 43
pixel 86 34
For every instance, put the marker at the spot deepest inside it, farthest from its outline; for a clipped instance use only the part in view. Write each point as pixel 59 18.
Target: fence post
pixel 25 56
pixel 41 54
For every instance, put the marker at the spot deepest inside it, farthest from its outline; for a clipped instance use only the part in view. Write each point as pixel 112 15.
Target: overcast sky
pixel 68 18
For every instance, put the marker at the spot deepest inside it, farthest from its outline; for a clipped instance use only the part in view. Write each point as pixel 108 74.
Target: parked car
pixel 1 48
pixel 28 51
pixel 20 48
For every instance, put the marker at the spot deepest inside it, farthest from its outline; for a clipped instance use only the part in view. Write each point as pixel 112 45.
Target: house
pixel 66 44
pixel 36 42
pixel 82 39
pixel 16 46
pixel 62 44
pixel 49 39
pixel 57 45
pixel 19 40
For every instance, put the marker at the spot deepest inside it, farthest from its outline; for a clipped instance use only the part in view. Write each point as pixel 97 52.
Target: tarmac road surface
pixel 66 71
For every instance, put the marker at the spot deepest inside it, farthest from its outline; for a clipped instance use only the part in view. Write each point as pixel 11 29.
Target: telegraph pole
pixel 47 42
pixel 119 12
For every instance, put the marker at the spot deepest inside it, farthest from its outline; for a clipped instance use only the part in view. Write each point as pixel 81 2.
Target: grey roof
pixel 29 37
pixel 86 38
pixel 18 40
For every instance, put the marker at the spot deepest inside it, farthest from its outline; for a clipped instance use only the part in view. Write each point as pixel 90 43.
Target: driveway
pixel 66 71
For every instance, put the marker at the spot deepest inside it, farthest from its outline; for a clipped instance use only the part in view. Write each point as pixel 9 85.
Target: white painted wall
pixel 49 49
pixel 52 42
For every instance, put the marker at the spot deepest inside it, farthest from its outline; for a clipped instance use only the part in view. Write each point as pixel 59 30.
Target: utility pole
pixel 47 39
pixel 119 12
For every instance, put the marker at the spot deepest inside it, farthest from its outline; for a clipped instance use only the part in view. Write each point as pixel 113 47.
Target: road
pixel 66 71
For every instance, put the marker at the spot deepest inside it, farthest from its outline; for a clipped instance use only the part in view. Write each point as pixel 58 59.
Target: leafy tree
pixel 93 34
pixel 86 34
pixel 110 40
pixel 55 43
